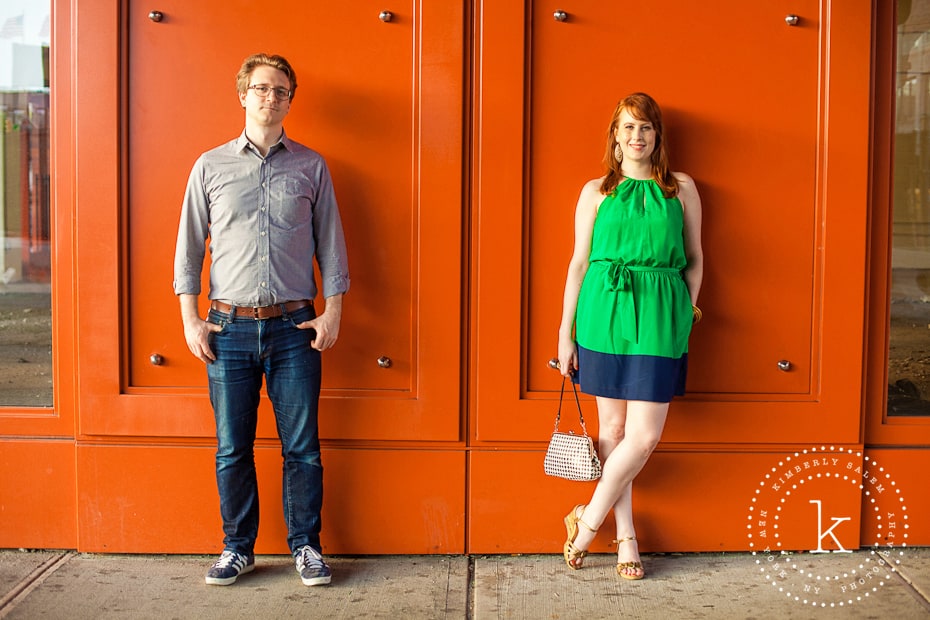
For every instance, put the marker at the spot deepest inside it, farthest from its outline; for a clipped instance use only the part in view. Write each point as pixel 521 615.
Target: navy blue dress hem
pixel 631 377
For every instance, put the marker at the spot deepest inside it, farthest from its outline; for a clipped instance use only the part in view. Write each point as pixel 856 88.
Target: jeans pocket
pixel 294 319
pixel 300 316
pixel 217 318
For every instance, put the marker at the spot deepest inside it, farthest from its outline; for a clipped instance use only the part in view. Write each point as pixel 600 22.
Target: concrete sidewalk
pixel 48 584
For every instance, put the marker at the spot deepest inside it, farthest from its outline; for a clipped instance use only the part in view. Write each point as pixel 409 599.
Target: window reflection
pixel 25 258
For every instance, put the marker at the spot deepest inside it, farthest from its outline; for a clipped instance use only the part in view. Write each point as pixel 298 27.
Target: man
pixel 268 207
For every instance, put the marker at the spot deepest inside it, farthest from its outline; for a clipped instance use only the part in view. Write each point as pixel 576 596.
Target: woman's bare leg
pixel 642 423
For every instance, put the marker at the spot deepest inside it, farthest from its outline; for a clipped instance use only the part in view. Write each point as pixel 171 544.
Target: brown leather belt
pixel 262 312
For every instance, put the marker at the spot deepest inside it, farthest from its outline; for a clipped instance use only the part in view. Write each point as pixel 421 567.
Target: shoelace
pixel 309 556
pixel 228 558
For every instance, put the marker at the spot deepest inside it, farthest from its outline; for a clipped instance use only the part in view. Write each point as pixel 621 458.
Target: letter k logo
pixel 821 534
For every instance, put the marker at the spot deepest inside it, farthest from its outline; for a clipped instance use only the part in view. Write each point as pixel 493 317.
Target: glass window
pixel 25 258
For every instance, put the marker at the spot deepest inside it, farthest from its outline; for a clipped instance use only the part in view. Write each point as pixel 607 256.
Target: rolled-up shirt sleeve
pixel 329 238
pixel 193 230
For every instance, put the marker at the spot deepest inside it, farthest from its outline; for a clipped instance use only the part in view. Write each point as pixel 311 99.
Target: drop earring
pixel 618 153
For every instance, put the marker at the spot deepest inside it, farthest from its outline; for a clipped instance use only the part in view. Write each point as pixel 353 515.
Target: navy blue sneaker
pixel 227 569
pixel 313 570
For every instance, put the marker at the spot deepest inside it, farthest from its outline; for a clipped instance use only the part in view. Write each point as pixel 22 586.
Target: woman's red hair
pixel 642 107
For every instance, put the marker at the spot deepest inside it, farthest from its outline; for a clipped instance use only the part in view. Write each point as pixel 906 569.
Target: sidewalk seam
pixel 31 581
pixel 915 591
pixel 470 589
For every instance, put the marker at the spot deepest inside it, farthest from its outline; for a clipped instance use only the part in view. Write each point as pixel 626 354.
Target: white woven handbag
pixel 571 456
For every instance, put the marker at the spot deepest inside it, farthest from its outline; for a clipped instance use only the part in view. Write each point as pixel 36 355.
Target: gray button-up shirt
pixel 266 218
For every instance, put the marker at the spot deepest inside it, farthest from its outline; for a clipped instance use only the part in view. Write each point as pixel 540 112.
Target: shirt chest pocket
pixel 290 206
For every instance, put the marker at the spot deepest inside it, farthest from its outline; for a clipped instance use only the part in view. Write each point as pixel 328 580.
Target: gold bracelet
pixel 697 315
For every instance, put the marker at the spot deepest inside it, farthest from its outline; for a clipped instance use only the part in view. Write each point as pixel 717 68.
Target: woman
pixel 630 295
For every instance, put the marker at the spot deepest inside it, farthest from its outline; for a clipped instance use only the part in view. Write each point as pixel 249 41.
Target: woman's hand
pixel 568 356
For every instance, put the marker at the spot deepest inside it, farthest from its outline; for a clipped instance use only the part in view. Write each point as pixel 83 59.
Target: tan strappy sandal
pixel 573 555
pixel 622 567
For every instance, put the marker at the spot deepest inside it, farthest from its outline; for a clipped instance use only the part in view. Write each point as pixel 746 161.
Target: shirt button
pixel 263 233
pixel 263 284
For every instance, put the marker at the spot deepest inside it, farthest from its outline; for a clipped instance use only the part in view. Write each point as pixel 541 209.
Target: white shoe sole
pixel 316 581
pixel 228 581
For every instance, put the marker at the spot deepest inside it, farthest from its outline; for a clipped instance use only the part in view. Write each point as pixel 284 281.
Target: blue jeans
pixel 248 350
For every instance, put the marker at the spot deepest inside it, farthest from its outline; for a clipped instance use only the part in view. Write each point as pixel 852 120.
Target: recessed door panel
pixel 741 118
pixel 754 118
pixel 379 96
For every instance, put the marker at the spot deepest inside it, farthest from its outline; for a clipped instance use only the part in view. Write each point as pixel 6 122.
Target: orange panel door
pixel 380 97
pixel 747 117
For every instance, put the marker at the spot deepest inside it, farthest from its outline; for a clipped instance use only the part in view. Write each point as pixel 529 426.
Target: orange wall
pixel 38 503
pixel 458 138
pixel 162 499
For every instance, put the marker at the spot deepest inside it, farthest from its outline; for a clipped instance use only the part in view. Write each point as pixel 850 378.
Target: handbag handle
pixel 558 413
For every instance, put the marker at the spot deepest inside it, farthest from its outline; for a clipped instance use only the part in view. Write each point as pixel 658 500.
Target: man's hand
pixel 196 330
pixel 197 333
pixel 326 325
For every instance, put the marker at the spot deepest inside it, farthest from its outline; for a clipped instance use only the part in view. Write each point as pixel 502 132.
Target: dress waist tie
pixel 618 280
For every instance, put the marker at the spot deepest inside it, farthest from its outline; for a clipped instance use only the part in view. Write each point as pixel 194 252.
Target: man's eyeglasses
pixel 262 90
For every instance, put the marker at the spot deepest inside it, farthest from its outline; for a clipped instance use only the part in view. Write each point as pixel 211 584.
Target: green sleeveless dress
pixel 634 317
